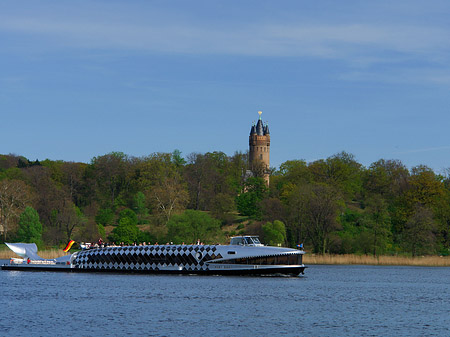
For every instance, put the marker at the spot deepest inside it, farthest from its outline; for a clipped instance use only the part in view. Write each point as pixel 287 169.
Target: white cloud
pixel 353 42
pixel 429 149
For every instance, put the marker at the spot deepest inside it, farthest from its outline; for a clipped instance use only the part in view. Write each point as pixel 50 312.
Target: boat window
pixel 256 240
pixel 231 252
pixel 237 241
pixel 249 240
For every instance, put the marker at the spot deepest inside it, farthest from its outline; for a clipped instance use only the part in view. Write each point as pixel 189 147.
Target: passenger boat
pixel 245 255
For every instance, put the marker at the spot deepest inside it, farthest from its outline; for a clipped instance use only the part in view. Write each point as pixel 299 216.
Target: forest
pixel 333 205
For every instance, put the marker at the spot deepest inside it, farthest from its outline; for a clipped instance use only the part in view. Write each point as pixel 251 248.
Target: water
pixel 328 301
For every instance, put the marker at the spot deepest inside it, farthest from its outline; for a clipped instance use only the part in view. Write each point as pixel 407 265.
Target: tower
pixel 259 155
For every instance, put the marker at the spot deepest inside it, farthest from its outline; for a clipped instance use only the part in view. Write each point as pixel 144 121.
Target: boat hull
pixel 174 259
pixel 276 271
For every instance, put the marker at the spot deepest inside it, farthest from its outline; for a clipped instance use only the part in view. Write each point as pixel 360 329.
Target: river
pixel 327 301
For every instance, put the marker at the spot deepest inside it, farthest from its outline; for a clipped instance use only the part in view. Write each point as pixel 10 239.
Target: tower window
pixel 260 156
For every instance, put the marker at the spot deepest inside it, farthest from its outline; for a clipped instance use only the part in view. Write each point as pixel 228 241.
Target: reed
pixel 348 259
pixel 6 253
pixel 309 259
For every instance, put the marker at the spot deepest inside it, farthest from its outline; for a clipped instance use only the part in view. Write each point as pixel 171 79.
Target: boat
pixel 245 255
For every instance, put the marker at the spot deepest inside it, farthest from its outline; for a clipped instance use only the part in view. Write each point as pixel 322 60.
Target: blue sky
pixel 81 79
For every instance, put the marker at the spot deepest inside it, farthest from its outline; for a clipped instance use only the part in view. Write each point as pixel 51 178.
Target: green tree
pixel 177 159
pixel 14 197
pixel 159 179
pixel 30 228
pixel 127 230
pixel 418 237
pixel 248 203
pixel 105 216
pixel 341 171
pixel 125 233
pixel 292 173
pixel 140 206
pixel 208 175
pixel 110 174
pixel 319 208
pixel 377 220
pixel 101 230
pixel 191 226
pixel 274 233
pixel 221 206
pixel 127 217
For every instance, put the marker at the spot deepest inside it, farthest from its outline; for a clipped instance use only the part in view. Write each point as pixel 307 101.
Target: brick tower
pixel 259 156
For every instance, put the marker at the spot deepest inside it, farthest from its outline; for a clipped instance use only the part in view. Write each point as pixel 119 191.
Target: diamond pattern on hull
pixel 150 258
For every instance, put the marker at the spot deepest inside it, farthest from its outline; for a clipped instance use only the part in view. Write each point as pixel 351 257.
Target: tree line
pixel 332 205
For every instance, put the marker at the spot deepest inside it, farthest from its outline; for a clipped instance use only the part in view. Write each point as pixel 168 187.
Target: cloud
pixel 363 43
pixel 429 149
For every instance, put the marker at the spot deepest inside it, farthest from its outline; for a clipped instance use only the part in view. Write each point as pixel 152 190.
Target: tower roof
pixel 259 129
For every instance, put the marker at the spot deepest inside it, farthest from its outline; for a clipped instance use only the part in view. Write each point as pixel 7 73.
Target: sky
pixel 80 79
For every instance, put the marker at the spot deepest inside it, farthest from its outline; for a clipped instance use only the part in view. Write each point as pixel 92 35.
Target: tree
pixel 105 216
pixel 140 206
pixel 292 173
pixel 272 209
pixel 127 217
pixel 208 175
pixel 110 174
pixel 177 159
pixel 15 195
pixel 127 231
pixel 191 226
pixel 248 203
pixel 319 206
pixel 30 228
pixel 418 236
pixel 158 178
pixel 221 206
pixel 388 178
pixel 341 171
pixel 274 233
pixel 377 220
pixel 169 196
pixel 70 218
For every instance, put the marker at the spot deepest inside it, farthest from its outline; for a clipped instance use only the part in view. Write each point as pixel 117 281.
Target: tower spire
pixel 259 154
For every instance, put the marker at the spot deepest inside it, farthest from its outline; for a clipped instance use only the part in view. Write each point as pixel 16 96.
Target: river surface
pixel 327 301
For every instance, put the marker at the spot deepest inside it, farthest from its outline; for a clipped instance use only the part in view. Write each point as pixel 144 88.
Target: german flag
pixel 69 245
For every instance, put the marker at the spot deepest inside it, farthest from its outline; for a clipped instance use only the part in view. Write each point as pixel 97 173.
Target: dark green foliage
pixel 333 205
pixel 125 233
pixel 274 233
pixel 191 226
pixel 127 230
pixel 418 237
pixel 146 237
pixel 127 217
pixel 101 231
pixel 105 216
pixel 140 206
pixel 248 203
pixel 30 228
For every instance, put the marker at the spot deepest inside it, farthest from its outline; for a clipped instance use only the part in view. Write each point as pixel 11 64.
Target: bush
pixel 274 233
pixel 192 226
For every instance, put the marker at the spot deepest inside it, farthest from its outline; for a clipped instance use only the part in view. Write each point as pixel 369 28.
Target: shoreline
pixel 382 260
pixel 312 259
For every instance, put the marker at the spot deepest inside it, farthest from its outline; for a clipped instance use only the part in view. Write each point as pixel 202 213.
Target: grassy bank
pixel 6 253
pixel 308 259
pixel 347 259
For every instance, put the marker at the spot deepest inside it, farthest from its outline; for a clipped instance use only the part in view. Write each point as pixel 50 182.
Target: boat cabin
pixel 245 241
